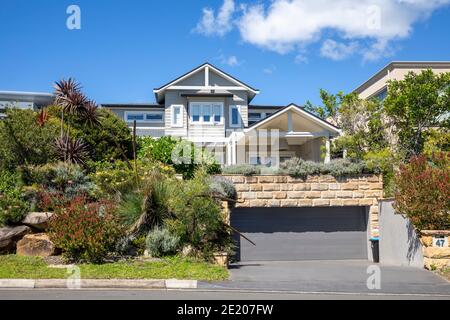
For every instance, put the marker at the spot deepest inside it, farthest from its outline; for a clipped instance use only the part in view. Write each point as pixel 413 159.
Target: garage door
pixel 290 234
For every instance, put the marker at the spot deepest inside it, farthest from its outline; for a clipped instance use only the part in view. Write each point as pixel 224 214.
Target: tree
pixel 415 105
pixel 23 141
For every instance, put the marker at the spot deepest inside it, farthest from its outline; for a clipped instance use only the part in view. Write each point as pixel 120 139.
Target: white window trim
pixel 181 123
pixel 239 124
pixel 144 113
pixel 202 122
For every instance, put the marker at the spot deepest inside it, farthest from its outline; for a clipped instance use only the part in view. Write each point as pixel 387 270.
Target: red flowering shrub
pixel 85 231
pixel 49 201
pixel 423 192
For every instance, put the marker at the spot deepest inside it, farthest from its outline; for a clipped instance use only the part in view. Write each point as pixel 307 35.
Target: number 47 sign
pixel 440 241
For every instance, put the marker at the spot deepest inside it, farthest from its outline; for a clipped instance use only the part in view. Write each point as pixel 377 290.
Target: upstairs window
pixel 217 112
pixel 235 117
pixel 196 113
pixel 206 113
pixel 143 117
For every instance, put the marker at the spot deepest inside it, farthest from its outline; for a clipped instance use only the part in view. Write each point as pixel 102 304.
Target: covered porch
pixel 291 132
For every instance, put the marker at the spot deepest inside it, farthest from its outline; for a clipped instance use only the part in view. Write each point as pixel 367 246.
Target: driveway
pixel 348 276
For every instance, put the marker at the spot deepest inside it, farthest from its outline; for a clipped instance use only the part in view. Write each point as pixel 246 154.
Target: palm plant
pixel 71 99
pixel 89 114
pixel 71 150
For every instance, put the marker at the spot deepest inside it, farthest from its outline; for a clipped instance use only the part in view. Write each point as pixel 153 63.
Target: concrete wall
pixel 399 243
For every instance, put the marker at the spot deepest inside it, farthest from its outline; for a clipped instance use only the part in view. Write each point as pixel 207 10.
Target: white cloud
pixel 270 70
pixel 287 25
pixel 337 51
pixel 210 24
pixel 231 61
pixel 301 58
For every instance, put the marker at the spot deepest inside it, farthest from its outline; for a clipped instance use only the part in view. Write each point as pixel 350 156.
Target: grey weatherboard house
pixel 213 109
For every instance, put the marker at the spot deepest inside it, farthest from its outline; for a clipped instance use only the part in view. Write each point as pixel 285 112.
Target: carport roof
pixel 301 110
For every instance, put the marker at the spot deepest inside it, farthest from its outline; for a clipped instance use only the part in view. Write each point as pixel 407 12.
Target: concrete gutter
pixel 96 284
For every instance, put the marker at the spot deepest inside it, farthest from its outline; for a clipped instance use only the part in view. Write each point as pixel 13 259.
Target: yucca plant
pixel 89 114
pixel 71 150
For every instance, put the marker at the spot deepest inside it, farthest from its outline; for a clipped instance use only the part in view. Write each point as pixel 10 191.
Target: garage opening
pixel 296 234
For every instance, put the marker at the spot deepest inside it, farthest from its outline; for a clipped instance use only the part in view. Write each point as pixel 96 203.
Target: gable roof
pixel 220 72
pixel 300 110
pixel 214 68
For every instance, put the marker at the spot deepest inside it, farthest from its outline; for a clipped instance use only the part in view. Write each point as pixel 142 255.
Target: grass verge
pixel 15 267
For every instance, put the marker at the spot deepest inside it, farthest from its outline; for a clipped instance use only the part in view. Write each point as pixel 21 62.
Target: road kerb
pixel 17 283
pixel 181 284
pixel 97 284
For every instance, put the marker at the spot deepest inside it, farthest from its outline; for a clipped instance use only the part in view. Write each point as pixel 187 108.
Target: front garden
pixel 76 182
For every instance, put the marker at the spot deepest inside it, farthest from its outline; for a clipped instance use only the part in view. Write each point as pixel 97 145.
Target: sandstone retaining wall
pixel 315 191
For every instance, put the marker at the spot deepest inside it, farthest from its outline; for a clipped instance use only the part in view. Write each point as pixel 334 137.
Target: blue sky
pixel 289 49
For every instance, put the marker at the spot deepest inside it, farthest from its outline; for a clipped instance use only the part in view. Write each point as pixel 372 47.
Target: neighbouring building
pixel 377 86
pixel 23 100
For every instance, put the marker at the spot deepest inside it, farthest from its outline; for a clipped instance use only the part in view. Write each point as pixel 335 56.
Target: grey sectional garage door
pixel 290 234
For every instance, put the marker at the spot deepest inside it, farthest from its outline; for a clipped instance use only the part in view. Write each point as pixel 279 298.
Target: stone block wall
pixel 435 257
pixel 315 191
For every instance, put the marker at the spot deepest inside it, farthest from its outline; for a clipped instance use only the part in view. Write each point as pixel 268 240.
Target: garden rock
pixel 38 220
pixel 36 245
pixel 9 237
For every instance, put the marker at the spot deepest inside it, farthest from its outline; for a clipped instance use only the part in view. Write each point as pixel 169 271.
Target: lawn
pixel 15 267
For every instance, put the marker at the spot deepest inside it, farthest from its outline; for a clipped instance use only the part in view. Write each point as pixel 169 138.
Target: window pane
pixel 255 116
pixel 217 113
pixel 137 117
pixel 235 116
pixel 177 116
pixel 207 113
pixel 155 117
pixel 196 113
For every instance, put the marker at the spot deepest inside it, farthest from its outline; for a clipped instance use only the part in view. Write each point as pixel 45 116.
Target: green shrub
pixel 423 190
pixel 13 208
pixel 110 140
pixel 161 243
pixel 112 179
pixel 68 179
pixel 130 208
pixel 223 187
pixel 343 168
pixel 198 221
pixel 244 169
pixel 24 142
pixel 86 232
pixel 13 203
pixel 116 179
pixel 299 168
pixel 184 156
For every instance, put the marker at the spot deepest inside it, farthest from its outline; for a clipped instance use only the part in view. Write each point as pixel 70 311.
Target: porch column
pixel 234 146
pixel 328 149
pixel 228 154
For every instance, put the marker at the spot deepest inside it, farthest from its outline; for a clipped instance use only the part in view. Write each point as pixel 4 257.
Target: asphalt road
pixel 330 276
pixel 196 295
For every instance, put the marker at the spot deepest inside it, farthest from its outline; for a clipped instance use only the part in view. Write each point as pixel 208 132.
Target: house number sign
pixel 440 241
